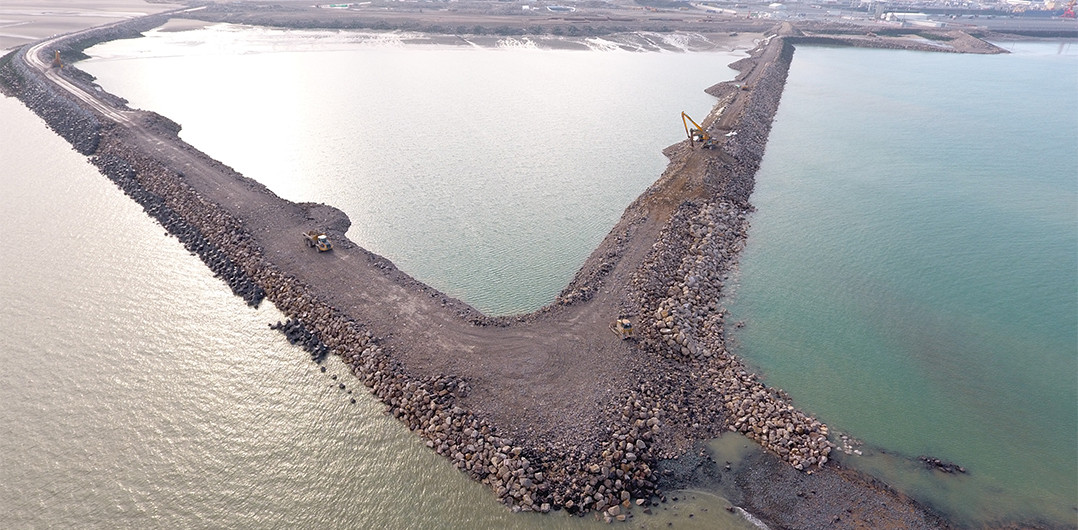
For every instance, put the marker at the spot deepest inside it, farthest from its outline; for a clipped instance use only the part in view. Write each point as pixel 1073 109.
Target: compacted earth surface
pixel 552 409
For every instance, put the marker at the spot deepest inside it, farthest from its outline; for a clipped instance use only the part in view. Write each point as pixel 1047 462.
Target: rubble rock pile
pixel 299 334
pixel 679 288
pixel 684 321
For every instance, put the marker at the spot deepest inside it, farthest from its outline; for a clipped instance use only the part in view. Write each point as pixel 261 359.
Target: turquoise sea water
pixel 911 274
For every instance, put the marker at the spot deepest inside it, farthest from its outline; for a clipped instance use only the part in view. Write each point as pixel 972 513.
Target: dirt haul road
pixel 551 409
pixel 546 377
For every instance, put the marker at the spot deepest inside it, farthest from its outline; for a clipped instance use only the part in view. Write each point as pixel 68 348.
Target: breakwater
pixel 940 41
pixel 678 396
pixel 77 125
pixel 681 285
pixel 425 404
pixel 617 470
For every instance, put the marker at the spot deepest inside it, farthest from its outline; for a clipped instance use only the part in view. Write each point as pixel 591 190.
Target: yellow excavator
pixel 696 133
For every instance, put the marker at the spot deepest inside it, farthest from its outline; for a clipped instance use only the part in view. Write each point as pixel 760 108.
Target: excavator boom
pixel 696 133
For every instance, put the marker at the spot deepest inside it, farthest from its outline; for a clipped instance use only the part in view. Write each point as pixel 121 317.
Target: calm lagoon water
pixel 489 173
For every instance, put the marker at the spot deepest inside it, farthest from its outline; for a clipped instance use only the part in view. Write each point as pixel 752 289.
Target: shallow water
pixel 911 274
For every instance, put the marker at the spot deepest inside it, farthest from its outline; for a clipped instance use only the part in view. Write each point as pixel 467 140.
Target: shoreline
pixel 672 247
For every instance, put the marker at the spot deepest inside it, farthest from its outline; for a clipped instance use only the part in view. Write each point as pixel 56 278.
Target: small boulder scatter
pixel 299 334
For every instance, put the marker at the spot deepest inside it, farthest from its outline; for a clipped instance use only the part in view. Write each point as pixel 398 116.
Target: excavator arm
pixel 696 133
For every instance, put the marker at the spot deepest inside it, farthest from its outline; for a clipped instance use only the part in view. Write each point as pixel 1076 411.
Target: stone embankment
pixel 686 322
pixel 68 119
pixel 681 285
pixel 687 381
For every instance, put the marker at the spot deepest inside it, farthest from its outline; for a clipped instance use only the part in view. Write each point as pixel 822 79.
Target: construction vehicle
pixel 56 62
pixel 696 133
pixel 623 328
pixel 317 240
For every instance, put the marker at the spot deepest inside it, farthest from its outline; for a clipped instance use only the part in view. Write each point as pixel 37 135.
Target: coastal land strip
pixel 550 409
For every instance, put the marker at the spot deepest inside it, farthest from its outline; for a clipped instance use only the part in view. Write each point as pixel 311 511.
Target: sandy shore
pixel 491 394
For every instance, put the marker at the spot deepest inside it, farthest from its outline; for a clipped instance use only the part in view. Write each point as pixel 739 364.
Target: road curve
pixel 33 54
pixel 34 60
pixel 548 382
pixel 550 410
